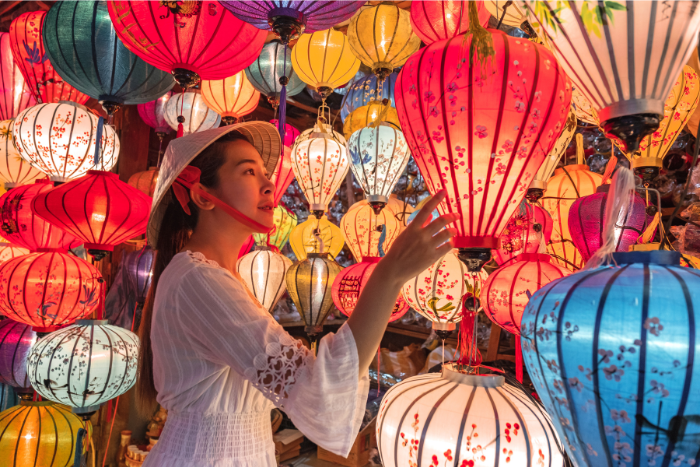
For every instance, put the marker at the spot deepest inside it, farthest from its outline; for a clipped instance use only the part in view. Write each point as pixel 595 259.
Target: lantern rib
pixel 40 351
pixel 158 50
pixel 55 445
pixel 540 415
pixel 463 424
pixel 69 391
pixel 512 289
pixel 111 362
pixel 51 154
pixel 521 420
pixel 128 358
pixel 211 38
pixel 72 438
pixel 613 62
pixel 75 311
pixel 18 57
pixel 669 28
pixel 27 414
pixel 9 302
pixel 17 412
pixel 64 286
pixel 14 354
pixel 429 418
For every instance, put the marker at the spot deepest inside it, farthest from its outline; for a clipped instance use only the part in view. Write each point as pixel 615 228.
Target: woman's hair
pixel 175 230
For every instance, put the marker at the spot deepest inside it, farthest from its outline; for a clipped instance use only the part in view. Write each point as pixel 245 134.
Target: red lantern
pixel 23 228
pixel 348 285
pixel 97 208
pixel 28 50
pixel 481 130
pixel 283 175
pixel 434 21
pixel 15 96
pixel 191 40
pixel 524 232
pixel 46 290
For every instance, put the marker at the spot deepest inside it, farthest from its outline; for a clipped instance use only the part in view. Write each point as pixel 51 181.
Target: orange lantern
pixel 363 230
pixel 145 181
pixel 231 97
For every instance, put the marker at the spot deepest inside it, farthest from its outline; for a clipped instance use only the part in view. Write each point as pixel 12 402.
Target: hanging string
pixel 379 370
pixel 160 148
pixel 98 140
pixel 283 97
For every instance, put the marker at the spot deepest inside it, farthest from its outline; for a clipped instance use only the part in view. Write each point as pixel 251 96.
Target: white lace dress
pixel 221 363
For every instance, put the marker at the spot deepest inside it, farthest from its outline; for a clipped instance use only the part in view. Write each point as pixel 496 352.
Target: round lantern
pixel 102 364
pixel 98 208
pixel 39 433
pixel 509 13
pixel 68 154
pixel 382 38
pixel 437 292
pixel 285 221
pixel 283 175
pixel 324 60
pixel 45 290
pixel 192 107
pixel 372 114
pixel 485 164
pixel 274 62
pixel 139 272
pixel 366 90
pixel 348 286
pixel 231 97
pixel 567 185
pixel 309 284
pixel 539 183
pixel 463 420
pixel 435 21
pixel 22 227
pixel 530 226
pixel 13 169
pixel 290 133
pixel 84 49
pixel 16 341
pixel 26 39
pixel 320 163
pixel 316 235
pixel 369 234
pixel 619 340
pixel 191 40
pixel 15 95
pixel 9 251
pixel 145 181
pixel 627 41
pixel 264 273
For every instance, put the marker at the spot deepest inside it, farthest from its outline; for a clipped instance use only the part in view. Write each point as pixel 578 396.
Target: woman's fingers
pixel 426 211
pixel 441 222
pixel 443 236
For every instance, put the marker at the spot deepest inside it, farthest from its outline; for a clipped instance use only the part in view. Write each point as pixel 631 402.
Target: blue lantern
pixel 363 91
pixel 265 73
pixel 84 49
pixel 611 352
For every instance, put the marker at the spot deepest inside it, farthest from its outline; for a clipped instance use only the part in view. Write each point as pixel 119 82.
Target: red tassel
pixel 518 360
pixel 109 410
pixel 180 130
pixel 469 353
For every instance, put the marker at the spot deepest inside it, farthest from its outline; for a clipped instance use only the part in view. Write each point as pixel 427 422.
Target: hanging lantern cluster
pixel 366 90
pixel 316 235
pixel 529 229
pixel 16 342
pixel 264 273
pixel 436 21
pixel 13 169
pixel 15 95
pixel 368 234
pixel 274 64
pixel 231 97
pixel 285 222
pixel 189 111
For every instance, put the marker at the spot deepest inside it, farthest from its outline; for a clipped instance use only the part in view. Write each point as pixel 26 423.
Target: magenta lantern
pixel 524 232
pixel 290 133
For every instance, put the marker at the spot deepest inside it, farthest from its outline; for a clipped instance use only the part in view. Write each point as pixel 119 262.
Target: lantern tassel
pixel 518 360
pixel 609 167
pixel 481 45
pixel 181 118
pixel 98 140
pixel 469 353
pixel 283 99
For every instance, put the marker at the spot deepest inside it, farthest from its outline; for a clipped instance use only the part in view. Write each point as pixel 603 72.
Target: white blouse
pixel 221 363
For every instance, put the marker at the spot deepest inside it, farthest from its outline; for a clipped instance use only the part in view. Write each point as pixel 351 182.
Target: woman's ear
pixel 199 200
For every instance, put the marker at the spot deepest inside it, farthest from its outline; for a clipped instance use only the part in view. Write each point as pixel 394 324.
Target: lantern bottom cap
pixel 85 410
pixel 538 184
pixel 184 77
pixel 442 326
pixel 313 330
pixel 475 258
pixel 630 129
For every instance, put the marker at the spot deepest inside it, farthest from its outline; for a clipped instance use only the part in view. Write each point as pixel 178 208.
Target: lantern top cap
pixel 370 259
pixel 660 257
pixel 92 322
pixel 542 257
pixel 24 403
pixel 317 255
pixel 571 168
pixel 102 173
pixel 449 372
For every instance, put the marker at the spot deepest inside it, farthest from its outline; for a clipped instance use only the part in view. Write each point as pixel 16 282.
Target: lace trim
pixel 198 257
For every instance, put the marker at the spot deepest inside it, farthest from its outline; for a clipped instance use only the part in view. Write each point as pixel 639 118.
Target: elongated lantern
pixel 290 133
pixel 368 234
pixel 13 169
pixel 529 228
pixel 264 273
pixel 316 236
pixel 231 97
pixel 191 110
pixel 436 21
pixel 284 174
pixel 366 90
pixel 285 221
pixel 16 342
pixel 539 184
pixel 15 95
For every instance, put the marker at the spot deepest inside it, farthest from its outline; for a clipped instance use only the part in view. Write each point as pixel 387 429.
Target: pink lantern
pixel 434 21
pixel 290 133
pixel 524 232
pixel 153 114
pixel 15 95
pixel 283 175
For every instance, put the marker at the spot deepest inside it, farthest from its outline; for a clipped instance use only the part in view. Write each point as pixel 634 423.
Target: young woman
pixel 211 354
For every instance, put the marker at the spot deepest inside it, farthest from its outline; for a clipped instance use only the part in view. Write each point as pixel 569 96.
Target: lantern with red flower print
pixel 435 21
pixel 97 208
pixel 480 128
pixel 24 228
pixel 530 224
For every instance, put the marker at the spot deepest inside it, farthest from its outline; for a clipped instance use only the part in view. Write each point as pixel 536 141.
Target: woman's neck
pixel 220 245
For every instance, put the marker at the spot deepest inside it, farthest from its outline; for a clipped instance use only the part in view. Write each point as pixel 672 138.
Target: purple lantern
pixel 138 265
pixel 16 341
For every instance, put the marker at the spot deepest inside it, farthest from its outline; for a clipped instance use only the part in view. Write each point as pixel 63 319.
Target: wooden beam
pixel 9 8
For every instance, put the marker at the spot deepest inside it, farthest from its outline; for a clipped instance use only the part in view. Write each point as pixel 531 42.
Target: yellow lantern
pixel 264 273
pixel 583 108
pixel 231 97
pixel 13 169
pixel 371 114
pixel 363 229
pixel 316 236
pixel 324 60
pixel 539 183
pixel 401 209
pixel 382 38
pixel 285 221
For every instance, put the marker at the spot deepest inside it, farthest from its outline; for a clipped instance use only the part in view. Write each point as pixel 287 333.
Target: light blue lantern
pixel 365 90
pixel 265 73
pixel 611 352
pixel 359 76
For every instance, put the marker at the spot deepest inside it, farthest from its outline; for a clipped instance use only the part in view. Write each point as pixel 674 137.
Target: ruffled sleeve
pixel 322 394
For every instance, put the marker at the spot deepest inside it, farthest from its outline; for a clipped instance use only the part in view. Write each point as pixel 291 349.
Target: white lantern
pixel 378 157
pixel 320 163
pixel 84 365
pixel 458 419
pixel 59 139
pixel 198 117
pixel 13 169
pixel 264 272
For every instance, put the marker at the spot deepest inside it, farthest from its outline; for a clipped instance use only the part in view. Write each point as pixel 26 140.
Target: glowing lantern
pixel 513 17
pixel 365 231
pixel 54 288
pixel 16 341
pixel 15 95
pixel 435 21
pixel 22 227
pixel 98 208
pixel 153 114
pixel 366 90
pixel 583 109
pixel 9 251
pixel 264 273
pixel 316 235
pixel 285 221
pixel 530 227
pixel 139 267
pixel 145 181
pixel 567 185
pixel 193 113
pixel 13 169
pixel 309 285
pixel 191 40
pixel 348 286
pixel 26 39
pixel 378 157
pixel 231 97
pixel 539 183
pixel 267 70
pixel 371 114
pixel 290 133
pixel 485 149
pixel 464 420
pixel 283 175
pixel 401 209
pixel 69 154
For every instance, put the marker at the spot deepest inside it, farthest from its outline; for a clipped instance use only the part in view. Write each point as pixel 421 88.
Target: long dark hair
pixel 175 231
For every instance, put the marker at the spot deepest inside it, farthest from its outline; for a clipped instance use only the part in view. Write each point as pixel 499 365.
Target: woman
pixel 210 353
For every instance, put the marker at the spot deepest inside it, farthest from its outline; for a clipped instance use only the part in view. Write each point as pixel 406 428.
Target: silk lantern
pixel 9 251
pixel 483 147
pixel 16 342
pixel 465 420
pixel 624 58
pixel 13 169
pixel 567 185
pixel 539 183
pixel 618 340
pixel 102 364
pixel 139 272
pixel 366 90
pixel 191 108
pixel 264 273
pixel 15 95
pixel 378 157
pixel 285 221
pixel 274 62
pixel 153 114
pixel 368 234
pixel 309 284
pixel 70 153
pixel 191 40
pixel 583 109
pixel 316 235
pixel 530 227
pixel 231 97
pixel 283 175
pixel 22 227
pixel 290 133
pixel 435 21
pixel 46 290
pixel 145 181
pixel 371 114
pixel 84 49
pixel 98 208
pixel 30 56
pixel 401 209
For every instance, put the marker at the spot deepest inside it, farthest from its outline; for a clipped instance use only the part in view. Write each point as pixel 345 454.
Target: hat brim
pixel 181 151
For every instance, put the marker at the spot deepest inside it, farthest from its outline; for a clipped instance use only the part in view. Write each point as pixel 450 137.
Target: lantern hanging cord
pixel 481 44
pixel 505 7
pixel 98 140
pixel 282 120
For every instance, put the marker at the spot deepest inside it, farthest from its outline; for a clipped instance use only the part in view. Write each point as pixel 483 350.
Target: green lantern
pixel 265 73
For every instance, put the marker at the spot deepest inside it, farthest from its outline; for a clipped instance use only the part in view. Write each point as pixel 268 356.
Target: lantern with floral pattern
pixel 366 90
pixel 529 228
pixel 13 169
pixel 316 235
pixel 15 95
pixel 368 234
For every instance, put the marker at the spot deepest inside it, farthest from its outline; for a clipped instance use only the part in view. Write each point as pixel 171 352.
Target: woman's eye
pixel 250 171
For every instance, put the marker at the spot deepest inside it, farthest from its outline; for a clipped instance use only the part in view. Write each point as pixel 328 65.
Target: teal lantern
pixel 265 73
pixel 84 49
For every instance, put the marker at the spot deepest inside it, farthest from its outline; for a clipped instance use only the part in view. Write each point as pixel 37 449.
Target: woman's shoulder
pixel 191 266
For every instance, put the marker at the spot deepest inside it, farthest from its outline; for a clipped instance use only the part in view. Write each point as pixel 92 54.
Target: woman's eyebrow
pixel 244 161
